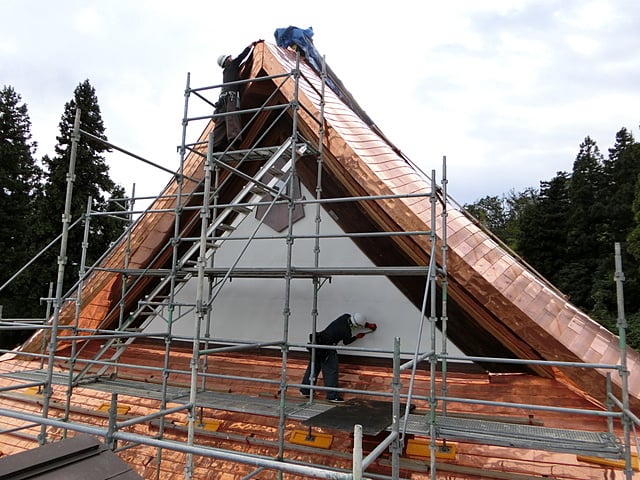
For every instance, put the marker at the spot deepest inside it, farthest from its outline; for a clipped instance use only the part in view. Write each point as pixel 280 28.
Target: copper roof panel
pixel 257 434
pixel 528 295
pixel 503 296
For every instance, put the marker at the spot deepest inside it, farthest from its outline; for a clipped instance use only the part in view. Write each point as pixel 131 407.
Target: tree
pixel 500 215
pixel 19 177
pixel 586 236
pixel 621 171
pixel 91 181
pixel 19 180
pixel 490 212
pixel 543 227
pixel 633 239
pixel 517 204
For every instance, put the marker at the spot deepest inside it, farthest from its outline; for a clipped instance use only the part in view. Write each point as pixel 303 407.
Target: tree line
pixel 566 229
pixel 32 200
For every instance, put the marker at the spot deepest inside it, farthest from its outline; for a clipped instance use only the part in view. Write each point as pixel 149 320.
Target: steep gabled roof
pixel 498 306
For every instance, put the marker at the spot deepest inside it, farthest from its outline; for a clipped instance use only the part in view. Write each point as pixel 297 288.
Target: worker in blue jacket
pixel 326 360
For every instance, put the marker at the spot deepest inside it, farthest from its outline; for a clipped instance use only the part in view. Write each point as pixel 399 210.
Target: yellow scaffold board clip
pixel 311 439
pixel 208 425
pixel 420 447
pixel 120 409
pixel 610 462
pixel 33 391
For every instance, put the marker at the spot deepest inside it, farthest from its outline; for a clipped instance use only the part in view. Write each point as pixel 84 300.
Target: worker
pixel 228 127
pixel 326 360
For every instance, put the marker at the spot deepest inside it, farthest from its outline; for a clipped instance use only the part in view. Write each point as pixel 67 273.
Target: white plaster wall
pixel 252 309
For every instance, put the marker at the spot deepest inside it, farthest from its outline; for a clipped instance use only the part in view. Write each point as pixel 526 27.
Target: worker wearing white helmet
pixel 222 59
pixel 227 128
pixel 342 329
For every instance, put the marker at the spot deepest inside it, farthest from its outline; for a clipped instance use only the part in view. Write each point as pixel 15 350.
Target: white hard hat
pixel 358 320
pixel 222 59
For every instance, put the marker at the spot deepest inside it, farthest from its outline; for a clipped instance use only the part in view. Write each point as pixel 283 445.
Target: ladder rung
pixel 258 190
pixel 241 209
pixel 276 172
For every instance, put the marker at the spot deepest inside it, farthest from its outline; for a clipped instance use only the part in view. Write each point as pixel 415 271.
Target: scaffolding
pixel 205 216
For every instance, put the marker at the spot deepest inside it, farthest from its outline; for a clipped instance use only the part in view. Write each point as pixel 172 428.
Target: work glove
pixel 371 326
pixel 360 335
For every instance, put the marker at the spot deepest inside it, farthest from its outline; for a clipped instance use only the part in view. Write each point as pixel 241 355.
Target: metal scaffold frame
pixel 194 258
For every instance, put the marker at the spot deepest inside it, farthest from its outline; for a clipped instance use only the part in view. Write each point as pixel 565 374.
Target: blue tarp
pixel 303 40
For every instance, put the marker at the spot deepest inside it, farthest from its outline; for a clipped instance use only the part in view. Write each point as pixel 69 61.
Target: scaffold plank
pixel 600 444
pixel 597 444
pixel 215 400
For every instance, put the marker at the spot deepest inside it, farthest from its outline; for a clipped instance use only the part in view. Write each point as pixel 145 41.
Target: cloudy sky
pixel 506 90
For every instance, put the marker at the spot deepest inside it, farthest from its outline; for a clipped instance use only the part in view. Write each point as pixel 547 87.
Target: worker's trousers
pixel 327 362
pixel 227 127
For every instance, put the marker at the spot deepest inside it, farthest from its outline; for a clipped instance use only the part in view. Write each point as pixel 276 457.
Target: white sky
pixel 506 90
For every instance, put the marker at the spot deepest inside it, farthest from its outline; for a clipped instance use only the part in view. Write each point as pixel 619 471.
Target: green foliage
pixel 543 226
pixel 19 186
pixel 587 242
pixel 490 212
pixel 32 203
pixel 633 330
pixel 501 215
pixel 91 181
pixel 567 230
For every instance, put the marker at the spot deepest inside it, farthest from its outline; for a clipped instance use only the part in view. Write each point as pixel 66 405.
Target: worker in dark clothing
pixel 326 360
pixel 228 127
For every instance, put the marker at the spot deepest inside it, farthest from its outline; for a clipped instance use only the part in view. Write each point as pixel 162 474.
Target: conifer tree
pixel 585 246
pixel 19 179
pixel 91 181
pixel 19 186
pixel 621 171
pixel 633 239
pixel 543 227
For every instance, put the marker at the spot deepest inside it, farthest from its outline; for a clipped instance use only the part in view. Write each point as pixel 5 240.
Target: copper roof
pixel 245 432
pixel 496 293
pixel 498 307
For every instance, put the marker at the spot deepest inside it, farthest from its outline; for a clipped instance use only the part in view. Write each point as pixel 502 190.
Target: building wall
pixel 253 308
